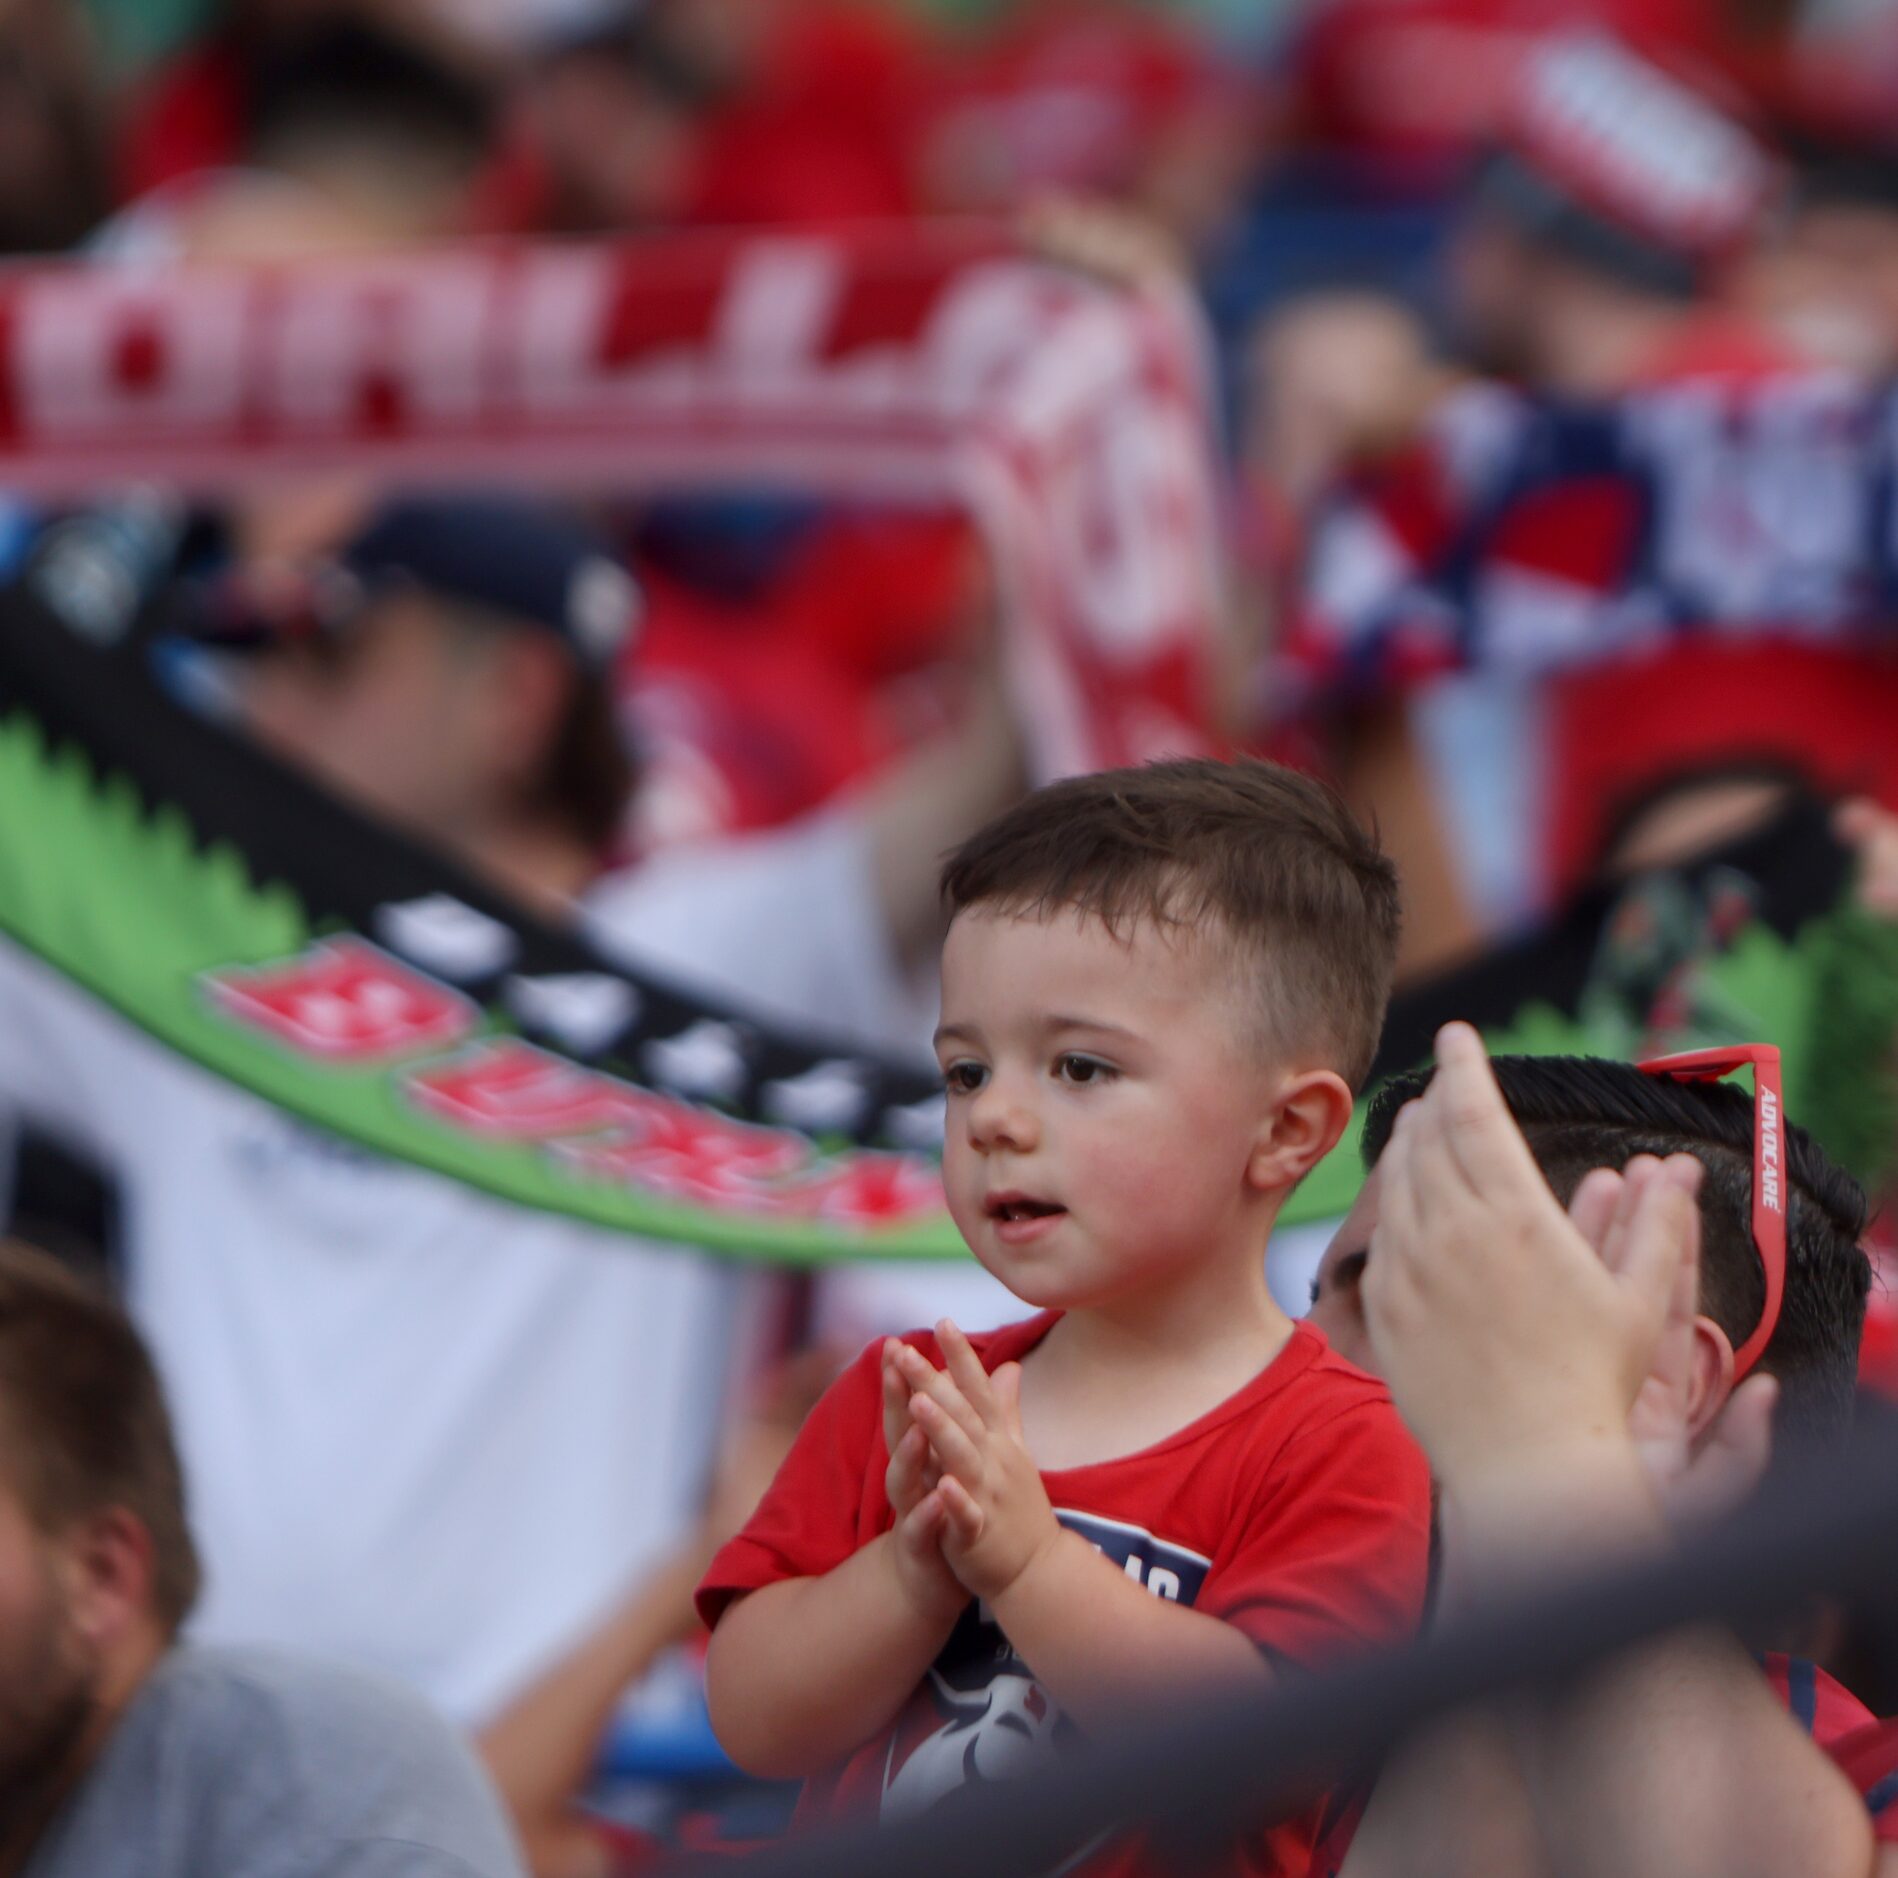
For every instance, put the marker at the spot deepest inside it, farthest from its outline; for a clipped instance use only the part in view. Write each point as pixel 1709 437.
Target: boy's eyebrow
pixel 1054 1021
pixel 1061 1020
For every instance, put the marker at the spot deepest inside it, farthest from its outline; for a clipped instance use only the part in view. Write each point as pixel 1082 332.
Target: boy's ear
pixel 1311 1113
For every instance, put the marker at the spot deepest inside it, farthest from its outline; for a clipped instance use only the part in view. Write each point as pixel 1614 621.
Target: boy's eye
pixel 1082 1069
pixel 964 1078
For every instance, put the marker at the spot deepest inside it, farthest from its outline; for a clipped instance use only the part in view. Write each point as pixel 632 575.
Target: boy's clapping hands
pixel 912 1481
pixel 992 1517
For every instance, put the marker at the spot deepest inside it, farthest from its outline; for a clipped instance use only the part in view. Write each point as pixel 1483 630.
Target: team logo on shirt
pixel 980 1715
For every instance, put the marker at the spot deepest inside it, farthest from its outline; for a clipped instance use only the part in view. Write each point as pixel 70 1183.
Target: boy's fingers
pixel 965 1367
pixel 895 1398
pixel 924 1378
pixel 955 1452
pixel 925 1519
pixel 964 1516
pixel 1007 1381
pixel 910 1453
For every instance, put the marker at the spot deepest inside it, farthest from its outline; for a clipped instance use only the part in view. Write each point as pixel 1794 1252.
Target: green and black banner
pixel 242 917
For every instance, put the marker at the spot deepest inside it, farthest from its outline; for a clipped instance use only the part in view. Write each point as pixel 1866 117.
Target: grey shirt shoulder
pixel 248 1764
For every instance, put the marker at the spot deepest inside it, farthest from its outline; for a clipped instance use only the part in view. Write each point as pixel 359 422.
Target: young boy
pixel 1159 990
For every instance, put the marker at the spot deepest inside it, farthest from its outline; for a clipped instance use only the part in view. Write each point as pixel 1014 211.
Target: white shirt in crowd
pixel 425 1431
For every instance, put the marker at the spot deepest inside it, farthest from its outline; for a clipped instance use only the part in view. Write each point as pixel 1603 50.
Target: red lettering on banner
pixel 642 316
pixel 685 1153
pixel 513 1090
pixel 138 357
pixel 344 1000
pixel 934 362
pixel 114 353
pixel 887 311
pixel 382 345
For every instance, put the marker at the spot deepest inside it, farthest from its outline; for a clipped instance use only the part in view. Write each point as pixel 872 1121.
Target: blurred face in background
pixel 1337 1304
pixel 619 145
pixel 50 1674
pixel 1492 275
pixel 1830 284
pixel 397 710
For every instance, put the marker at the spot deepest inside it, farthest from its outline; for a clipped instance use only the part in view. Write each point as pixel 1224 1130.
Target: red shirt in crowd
pixel 1297 1510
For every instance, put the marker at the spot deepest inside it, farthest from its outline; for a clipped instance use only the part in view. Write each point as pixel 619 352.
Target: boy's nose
pixel 999 1118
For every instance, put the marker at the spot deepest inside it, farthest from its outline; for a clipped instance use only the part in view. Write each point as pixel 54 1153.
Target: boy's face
pixel 1105 1099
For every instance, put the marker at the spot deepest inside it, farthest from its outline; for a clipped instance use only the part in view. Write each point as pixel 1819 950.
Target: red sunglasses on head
pixel 1769 1167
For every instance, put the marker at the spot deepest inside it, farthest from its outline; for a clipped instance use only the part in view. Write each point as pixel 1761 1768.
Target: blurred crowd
pixel 1408 222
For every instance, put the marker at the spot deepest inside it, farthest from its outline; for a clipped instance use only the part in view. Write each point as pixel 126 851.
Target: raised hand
pixel 997 1518
pixel 1506 1337
pixel 1873 831
pixel 1696 1478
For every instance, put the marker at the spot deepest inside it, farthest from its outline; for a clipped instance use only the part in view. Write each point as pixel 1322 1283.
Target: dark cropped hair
pixel 1269 859
pixel 81 1400
pixel 1578 1113
pixel 341 81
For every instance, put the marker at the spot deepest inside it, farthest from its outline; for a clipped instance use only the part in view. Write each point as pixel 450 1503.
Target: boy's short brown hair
pixel 1272 858
pixel 84 1419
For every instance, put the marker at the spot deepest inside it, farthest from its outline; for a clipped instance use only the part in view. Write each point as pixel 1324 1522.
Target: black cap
pixel 528 563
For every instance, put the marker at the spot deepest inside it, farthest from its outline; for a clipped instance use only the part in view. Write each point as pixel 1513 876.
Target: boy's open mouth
pixel 1012 1206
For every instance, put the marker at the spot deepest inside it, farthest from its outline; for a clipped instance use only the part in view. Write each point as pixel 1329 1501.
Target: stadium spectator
pixel 1571 1378
pixel 1110 99
pixel 815 107
pixel 1148 980
pixel 448 669
pixel 1559 639
pixel 126 1751
pixel 1595 233
pixel 53 130
pixel 358 101
pixel 1827 276
pixel 602 134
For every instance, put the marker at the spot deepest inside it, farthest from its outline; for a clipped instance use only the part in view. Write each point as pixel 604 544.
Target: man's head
pixel 451 668
pixel 97 1566
pixel 373 120
pixel 1580 1113
pixel 616 111
pixel 1829 277
pixel 1159 988
pixel 1611 184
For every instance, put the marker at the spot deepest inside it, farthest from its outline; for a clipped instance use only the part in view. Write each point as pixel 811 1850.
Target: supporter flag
pixel 245 919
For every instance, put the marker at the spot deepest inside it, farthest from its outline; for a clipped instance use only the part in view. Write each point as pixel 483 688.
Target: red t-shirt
pixel 1297 1510
pixel 1864 1749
